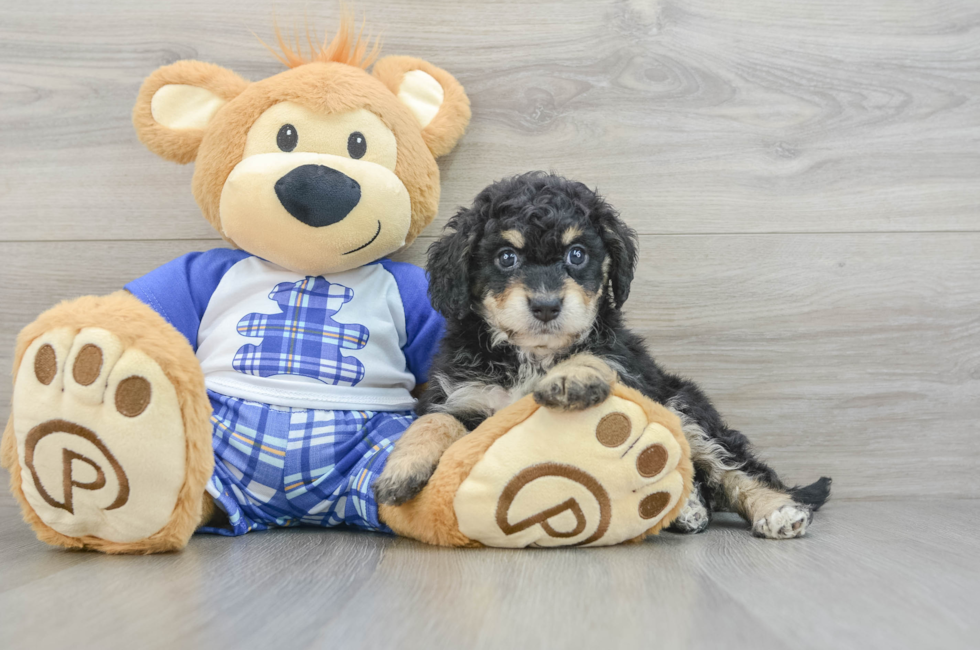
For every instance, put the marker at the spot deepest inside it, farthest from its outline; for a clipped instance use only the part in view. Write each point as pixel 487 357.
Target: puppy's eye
pixel 287 137
pixel 356 145
pixel 576 257
pixel 507 259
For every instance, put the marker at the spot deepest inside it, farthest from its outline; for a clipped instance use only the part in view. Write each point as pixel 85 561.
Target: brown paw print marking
pixel 612 431
pixel 133 396
pixel 654 504
pixel 651 461
pixel 88 364
pixel 45 364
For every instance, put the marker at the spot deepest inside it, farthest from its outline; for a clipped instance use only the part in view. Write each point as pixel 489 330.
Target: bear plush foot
pixel 101 446
pixel 537 476
pixel 595 477
pixel 99 435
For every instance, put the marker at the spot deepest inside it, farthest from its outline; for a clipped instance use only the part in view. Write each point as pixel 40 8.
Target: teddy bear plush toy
pixel 264 385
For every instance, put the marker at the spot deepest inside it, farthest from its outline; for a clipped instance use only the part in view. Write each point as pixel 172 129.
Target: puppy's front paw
pixel 572 391
pixel 402 479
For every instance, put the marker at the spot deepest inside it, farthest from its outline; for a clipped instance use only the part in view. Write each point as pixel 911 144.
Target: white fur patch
pixel 480 397
pixel 693 517
pixel 786 522
pixel 472 397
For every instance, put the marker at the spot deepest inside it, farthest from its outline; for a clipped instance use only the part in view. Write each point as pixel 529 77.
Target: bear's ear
pixel 177 102
pixel 432 94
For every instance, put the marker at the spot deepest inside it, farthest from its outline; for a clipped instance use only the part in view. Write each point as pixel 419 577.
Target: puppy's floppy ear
pixel 449 267
pixel 620 242
pixel 176 104
pixel 433 95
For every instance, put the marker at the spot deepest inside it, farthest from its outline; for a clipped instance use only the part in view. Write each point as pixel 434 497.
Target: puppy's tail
pixel 813 495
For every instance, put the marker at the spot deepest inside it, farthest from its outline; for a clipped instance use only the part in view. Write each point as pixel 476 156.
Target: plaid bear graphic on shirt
pixel 304 339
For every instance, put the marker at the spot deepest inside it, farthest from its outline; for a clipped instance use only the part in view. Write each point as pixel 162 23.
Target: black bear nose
pixel 318 195
pixel 545 309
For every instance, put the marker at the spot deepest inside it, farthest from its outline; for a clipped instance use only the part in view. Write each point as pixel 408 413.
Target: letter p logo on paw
pixel 100 436
pixel 69 479
pixel 586 478
pixel 569 478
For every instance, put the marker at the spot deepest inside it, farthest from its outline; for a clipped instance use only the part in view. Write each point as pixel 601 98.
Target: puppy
pixel 531 280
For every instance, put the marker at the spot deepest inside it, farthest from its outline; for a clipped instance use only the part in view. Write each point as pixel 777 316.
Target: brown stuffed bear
pixel 264 386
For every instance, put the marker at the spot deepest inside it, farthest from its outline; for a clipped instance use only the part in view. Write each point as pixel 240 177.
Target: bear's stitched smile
pixel 362 247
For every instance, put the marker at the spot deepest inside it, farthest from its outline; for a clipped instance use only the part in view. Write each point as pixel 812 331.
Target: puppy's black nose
pixel 318 195
pixel 546 308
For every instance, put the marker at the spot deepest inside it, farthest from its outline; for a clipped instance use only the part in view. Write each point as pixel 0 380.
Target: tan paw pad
pixel 100 437
pixel 595 477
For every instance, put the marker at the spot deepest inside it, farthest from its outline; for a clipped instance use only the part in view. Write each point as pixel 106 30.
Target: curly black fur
pixel 463 272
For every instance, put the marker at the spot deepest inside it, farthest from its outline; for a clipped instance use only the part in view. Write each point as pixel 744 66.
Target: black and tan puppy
pixel 531 280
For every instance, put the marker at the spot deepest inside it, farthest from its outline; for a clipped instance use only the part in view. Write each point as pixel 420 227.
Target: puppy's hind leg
pixel 773 513
pixel 415 456
pixel 695 516
pixel 737 480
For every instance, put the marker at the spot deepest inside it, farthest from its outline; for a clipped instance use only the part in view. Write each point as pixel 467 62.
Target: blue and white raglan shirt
pixel 310 378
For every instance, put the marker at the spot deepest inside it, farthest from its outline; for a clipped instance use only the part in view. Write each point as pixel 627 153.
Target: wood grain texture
pixel 692 116
pixel 850 355
pixel 862 578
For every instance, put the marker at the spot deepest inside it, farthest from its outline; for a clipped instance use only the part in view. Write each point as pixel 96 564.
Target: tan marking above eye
pixel 322 133
pixel 514 237
pixel 570 234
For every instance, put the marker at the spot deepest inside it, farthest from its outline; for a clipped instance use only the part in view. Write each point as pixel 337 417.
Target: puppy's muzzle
pixel 318 195
pixel 545 308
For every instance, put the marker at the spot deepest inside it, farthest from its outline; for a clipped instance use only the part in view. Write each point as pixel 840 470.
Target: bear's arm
pixel 181 289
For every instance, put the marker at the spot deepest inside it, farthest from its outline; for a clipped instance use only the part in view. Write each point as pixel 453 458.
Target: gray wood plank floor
pixel 868 575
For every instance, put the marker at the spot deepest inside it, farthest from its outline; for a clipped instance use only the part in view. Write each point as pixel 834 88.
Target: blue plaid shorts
pixel 279 467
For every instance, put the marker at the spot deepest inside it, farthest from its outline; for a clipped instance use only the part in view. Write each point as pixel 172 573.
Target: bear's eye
pixel 356 145
pixel 287 137
pixel 576 257
pixel 507 259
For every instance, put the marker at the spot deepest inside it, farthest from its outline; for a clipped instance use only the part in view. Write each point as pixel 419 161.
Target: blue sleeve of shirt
pixel 180 290
pixel 423 324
